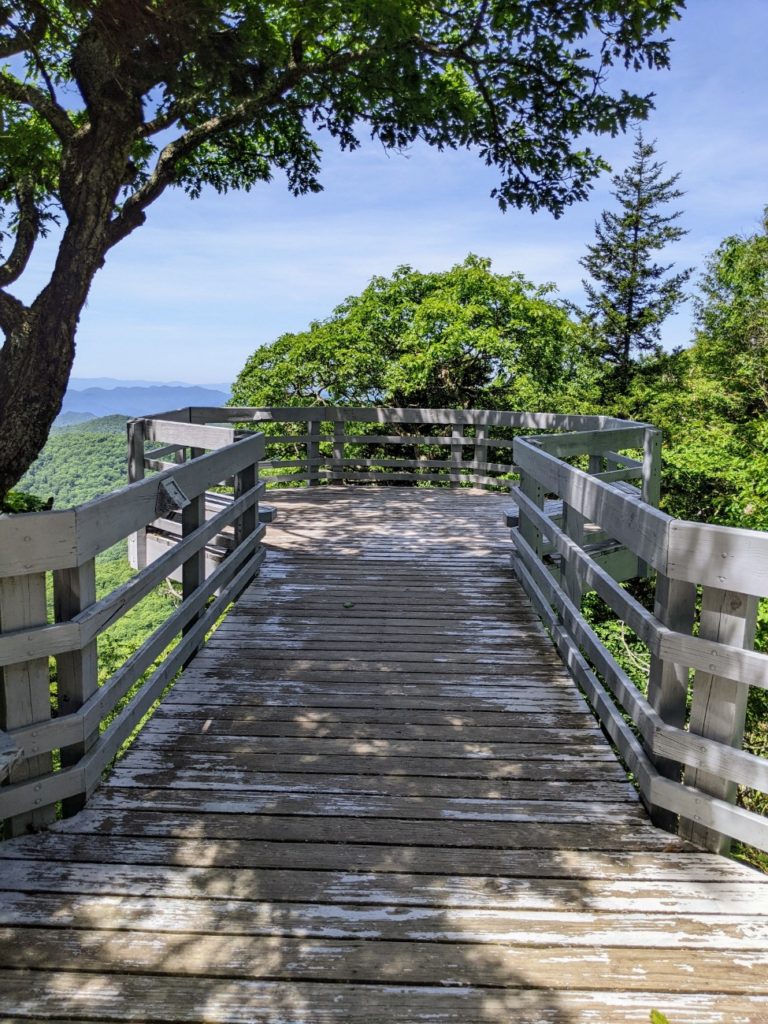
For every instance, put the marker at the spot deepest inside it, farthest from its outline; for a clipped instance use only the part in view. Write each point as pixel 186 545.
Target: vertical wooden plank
pixel 77 671
pixel 651 479
pixel 246 523
pixel 573 527
pixel 137 542
pixel 596 463
pixel 480 454
pixel 532 489
pixel 193 569
pixel 337 470
pixel 719 705
pixel 674 606
pixel 457 441
pixel 25 690
pixel 313 452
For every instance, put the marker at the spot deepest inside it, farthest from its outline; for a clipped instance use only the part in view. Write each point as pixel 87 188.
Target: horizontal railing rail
pixel 586 520
pixel 682 740
pixel 47 760
pixel 353 445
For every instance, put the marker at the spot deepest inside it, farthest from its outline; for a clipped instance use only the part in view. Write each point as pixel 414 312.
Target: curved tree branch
pixel 22 37
pixel 46 106
pixel 26 235
pixel 163 174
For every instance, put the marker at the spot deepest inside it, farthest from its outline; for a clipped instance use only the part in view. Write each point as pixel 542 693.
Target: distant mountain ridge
pixel 84 383
pixel 128 399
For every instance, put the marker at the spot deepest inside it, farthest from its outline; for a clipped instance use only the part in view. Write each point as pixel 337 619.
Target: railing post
pixel 457 442
pixel 337 469
pixel 25 690
pixel 674 607
pixel 719 705
pixel 137 542
pixel 529 530
pixel 480 454
pixel 651 479
pixel 245 524
pixel 573 527
pixel 193 569
pixel 77 672
pixel 313 452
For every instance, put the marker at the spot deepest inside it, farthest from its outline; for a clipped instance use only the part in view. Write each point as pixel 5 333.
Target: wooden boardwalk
pixel 376 796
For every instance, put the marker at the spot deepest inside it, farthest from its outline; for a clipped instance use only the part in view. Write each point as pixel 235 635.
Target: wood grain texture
pixel 376 795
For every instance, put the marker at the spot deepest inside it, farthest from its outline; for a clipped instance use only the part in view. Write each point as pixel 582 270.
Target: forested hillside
pixel 80 462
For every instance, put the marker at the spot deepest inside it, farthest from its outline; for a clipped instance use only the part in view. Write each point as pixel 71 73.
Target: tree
pixel 463 338
pixel 106 104
pixel 731 348
pixel 633 295
pixel 711 399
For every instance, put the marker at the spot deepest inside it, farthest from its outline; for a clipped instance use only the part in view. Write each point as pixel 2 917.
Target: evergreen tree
pixel 632 295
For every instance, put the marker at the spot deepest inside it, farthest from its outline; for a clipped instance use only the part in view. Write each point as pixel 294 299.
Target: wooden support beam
pixel 457 441
pixel 313 452
pixel 480 454
pixel 77 672
pixel 674 606
pixel 137 542
pixel 530 530
pixel 337 472
pixel 572 578
pixel 193 569
pixel 25 691
pixel 719 705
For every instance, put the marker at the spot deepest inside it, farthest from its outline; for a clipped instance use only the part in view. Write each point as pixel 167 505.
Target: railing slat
pixel 25 695
pixel 674 607
pixel 74 590
pixel 719 705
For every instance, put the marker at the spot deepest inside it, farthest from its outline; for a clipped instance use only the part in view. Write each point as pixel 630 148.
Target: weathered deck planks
pixel 376 795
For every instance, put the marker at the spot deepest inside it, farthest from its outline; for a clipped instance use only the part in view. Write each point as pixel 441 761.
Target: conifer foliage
pixel 630 294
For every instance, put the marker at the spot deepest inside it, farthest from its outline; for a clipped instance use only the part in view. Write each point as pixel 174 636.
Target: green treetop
pixel 106 104
pixel 631 295
pixel 463 338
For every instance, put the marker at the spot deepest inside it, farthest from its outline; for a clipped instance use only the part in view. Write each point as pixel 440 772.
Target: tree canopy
pixel 463 338
pixel 104 105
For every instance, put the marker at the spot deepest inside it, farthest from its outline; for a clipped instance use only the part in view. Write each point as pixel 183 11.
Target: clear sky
pixel 192 293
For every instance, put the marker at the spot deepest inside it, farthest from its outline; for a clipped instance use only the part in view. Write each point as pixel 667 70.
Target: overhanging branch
pixel 27 232
pixel 41 102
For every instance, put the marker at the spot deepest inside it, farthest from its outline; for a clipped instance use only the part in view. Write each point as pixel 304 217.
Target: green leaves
pixel 464 338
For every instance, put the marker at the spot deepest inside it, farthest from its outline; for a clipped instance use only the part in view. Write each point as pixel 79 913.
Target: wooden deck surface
pixel 376 796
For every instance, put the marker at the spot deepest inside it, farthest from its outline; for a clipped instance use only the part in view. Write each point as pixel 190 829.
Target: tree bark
pixel 39 349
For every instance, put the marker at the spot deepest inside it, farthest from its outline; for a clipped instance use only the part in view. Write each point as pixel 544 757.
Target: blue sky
pixel 194 291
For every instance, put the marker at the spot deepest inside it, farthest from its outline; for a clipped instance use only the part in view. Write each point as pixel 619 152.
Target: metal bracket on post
pixel 170 498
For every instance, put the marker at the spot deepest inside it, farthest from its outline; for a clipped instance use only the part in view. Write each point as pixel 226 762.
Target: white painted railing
pixel 62 546
pixel 600 529
pixel 686 760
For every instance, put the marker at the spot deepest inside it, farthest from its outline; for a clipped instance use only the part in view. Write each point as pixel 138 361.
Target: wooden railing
pixel 682 741
pixel 586 519
pixel 60 548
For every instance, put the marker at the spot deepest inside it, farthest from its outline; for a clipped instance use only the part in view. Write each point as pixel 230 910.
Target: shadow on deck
pixel 377 795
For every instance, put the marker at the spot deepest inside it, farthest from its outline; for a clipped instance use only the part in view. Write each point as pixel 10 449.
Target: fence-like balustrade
pixel 585 521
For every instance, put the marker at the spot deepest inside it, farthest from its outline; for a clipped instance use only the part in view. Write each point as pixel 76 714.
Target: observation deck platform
pixel 376 795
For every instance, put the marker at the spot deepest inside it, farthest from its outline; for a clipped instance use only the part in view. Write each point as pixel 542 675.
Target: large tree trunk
pixel 39 349
pixel 35 363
